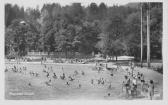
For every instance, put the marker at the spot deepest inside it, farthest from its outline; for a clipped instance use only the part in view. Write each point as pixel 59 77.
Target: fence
pixel 59 54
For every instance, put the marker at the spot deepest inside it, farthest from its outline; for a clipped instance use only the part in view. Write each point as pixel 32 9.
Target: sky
pixel 34 3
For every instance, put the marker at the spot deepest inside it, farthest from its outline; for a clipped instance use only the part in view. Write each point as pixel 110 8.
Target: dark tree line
pixel 113 31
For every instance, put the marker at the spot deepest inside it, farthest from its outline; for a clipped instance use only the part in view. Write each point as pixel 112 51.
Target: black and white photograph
pixel 89 49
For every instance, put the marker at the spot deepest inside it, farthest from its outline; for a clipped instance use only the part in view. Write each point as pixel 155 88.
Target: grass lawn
pixel 17 84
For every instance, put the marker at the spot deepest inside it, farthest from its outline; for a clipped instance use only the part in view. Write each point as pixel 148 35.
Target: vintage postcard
pixel 84 50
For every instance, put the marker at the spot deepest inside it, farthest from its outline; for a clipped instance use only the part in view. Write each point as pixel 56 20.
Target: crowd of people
pixel 133 83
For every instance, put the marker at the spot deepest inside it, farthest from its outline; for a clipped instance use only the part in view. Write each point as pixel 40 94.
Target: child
pixel 71 79
pixel 142 77
pixel 139 76
pixel 67 83
pixel 151 89
pixel 142 82
pixel 134 86
pixel 48 75
pixel 54 76
pixel 126 84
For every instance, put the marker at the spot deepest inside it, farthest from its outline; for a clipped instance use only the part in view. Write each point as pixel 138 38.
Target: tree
pixel 93 12
pixel 19 37
pixel 102 11
pixel 114 34
pixel 22 37
pixel 88 38
pixel 13 12
pixel 116 27
pixel 156 24
pixel 74 28
pixel 133 34
pixel 117 48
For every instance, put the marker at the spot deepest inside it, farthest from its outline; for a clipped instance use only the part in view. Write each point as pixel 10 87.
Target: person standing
pixel 41 60
pixel 126 84
pixel 151 89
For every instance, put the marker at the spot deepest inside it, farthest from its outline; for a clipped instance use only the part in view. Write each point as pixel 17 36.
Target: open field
pixel 23 85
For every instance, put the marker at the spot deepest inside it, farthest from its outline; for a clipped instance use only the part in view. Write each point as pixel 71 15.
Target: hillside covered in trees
pixel 110 30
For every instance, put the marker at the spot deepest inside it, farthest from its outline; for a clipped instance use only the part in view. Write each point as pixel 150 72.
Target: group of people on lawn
pixel 134 83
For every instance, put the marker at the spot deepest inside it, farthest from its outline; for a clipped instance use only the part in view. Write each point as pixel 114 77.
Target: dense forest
pixel 110 30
